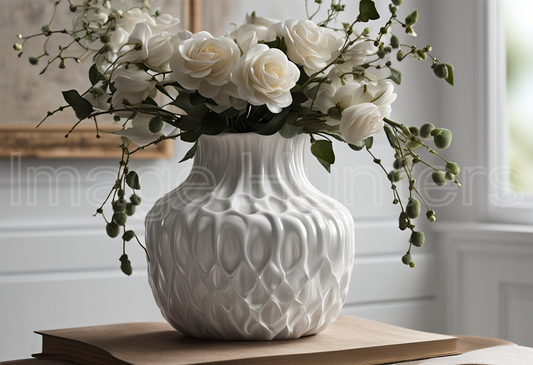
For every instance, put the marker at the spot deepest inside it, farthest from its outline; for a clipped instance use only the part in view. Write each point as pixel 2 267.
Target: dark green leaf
pixel 190 153
pixel 356 148
pixel 393 141
pixel 162 89
pixel 212 124
pixel 303 76
pixel 278 43
pixel 94 75
pixel 112 88
pixel 299 97
pixel 395 76
pixel 369 142
pixel 150 101
pixel 367 11
pixel 274 124
pixel 449 79
pixel 282 46
pixel 326 164
pixel 188 123
pixel 183 102
pixel 190 136
pixel 323 149
pixel 132 179
pixel 82 107
pixel 197 99
pixel 289 131
pixel 229 113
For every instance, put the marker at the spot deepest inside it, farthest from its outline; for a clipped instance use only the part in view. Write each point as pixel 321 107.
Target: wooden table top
pixel 465 344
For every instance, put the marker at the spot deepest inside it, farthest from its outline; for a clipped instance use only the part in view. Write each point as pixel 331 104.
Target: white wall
pixel 59 269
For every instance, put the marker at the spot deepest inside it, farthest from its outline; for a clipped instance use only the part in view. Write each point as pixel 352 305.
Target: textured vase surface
pixel 246 248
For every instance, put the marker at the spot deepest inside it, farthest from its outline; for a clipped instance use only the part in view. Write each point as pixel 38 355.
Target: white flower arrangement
pixel 266 76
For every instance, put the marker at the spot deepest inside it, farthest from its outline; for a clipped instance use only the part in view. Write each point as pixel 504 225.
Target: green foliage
pixel 395 76
pixel 132 179
pixel 323 150
pixel 82 107
pixel 449 68
pixel 412 18
pixel 190 153
pixel 94 75
pixel 367 11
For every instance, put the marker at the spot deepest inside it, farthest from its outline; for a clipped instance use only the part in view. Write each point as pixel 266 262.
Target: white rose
pixel 163 22
pixel 266 76
pixel 155 50
pixel 133 85
pixel 356 56
pixel 132 17
pixel 310 45
pixel 360 122
pixel 137 130
pixel 204 63
pixel 373 103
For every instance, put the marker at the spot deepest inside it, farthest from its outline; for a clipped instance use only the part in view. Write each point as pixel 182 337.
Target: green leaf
pixel 412 18
pixel 82 107
pixel 356 148
pixel 212 124
pixel 395 76
pixel 367 11
pixel 183 102
pixel 323 149
pixel 299 97
pixel 393 141
pixel 188 123
pixel 303 76
pixel 94 75
pixel 369 142
pixel 326 164
pixel 274 124
pixel 112 88
pixel 162 89
pixel 288 131
pixel 132 179
pixel 229 113
pixel 278 43
pixel 190 153
pixel 190 136
pixel 197 99
pixel 449 79
pixel 149 101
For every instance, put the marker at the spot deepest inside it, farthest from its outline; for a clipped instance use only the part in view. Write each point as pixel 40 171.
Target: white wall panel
pixel 418 314
pixel 46 301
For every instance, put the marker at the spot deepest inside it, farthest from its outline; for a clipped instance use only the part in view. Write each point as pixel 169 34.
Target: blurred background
pixel 473 276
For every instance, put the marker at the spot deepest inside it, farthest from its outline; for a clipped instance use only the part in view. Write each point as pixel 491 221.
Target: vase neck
pixel 249 163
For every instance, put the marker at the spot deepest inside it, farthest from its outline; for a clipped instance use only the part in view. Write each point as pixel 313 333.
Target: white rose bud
pixel 204 63
pixel 265 76
pixel 310 45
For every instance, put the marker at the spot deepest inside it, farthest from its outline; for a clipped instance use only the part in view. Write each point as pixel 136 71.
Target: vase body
pixel 246 248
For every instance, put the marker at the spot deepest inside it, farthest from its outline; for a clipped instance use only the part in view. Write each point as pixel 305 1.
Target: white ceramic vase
pixel 246 248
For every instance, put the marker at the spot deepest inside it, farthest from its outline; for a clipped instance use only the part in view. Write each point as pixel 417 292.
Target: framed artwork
pixel 27 96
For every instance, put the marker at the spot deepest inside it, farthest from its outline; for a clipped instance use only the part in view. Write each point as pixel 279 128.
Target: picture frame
pixel 27 95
